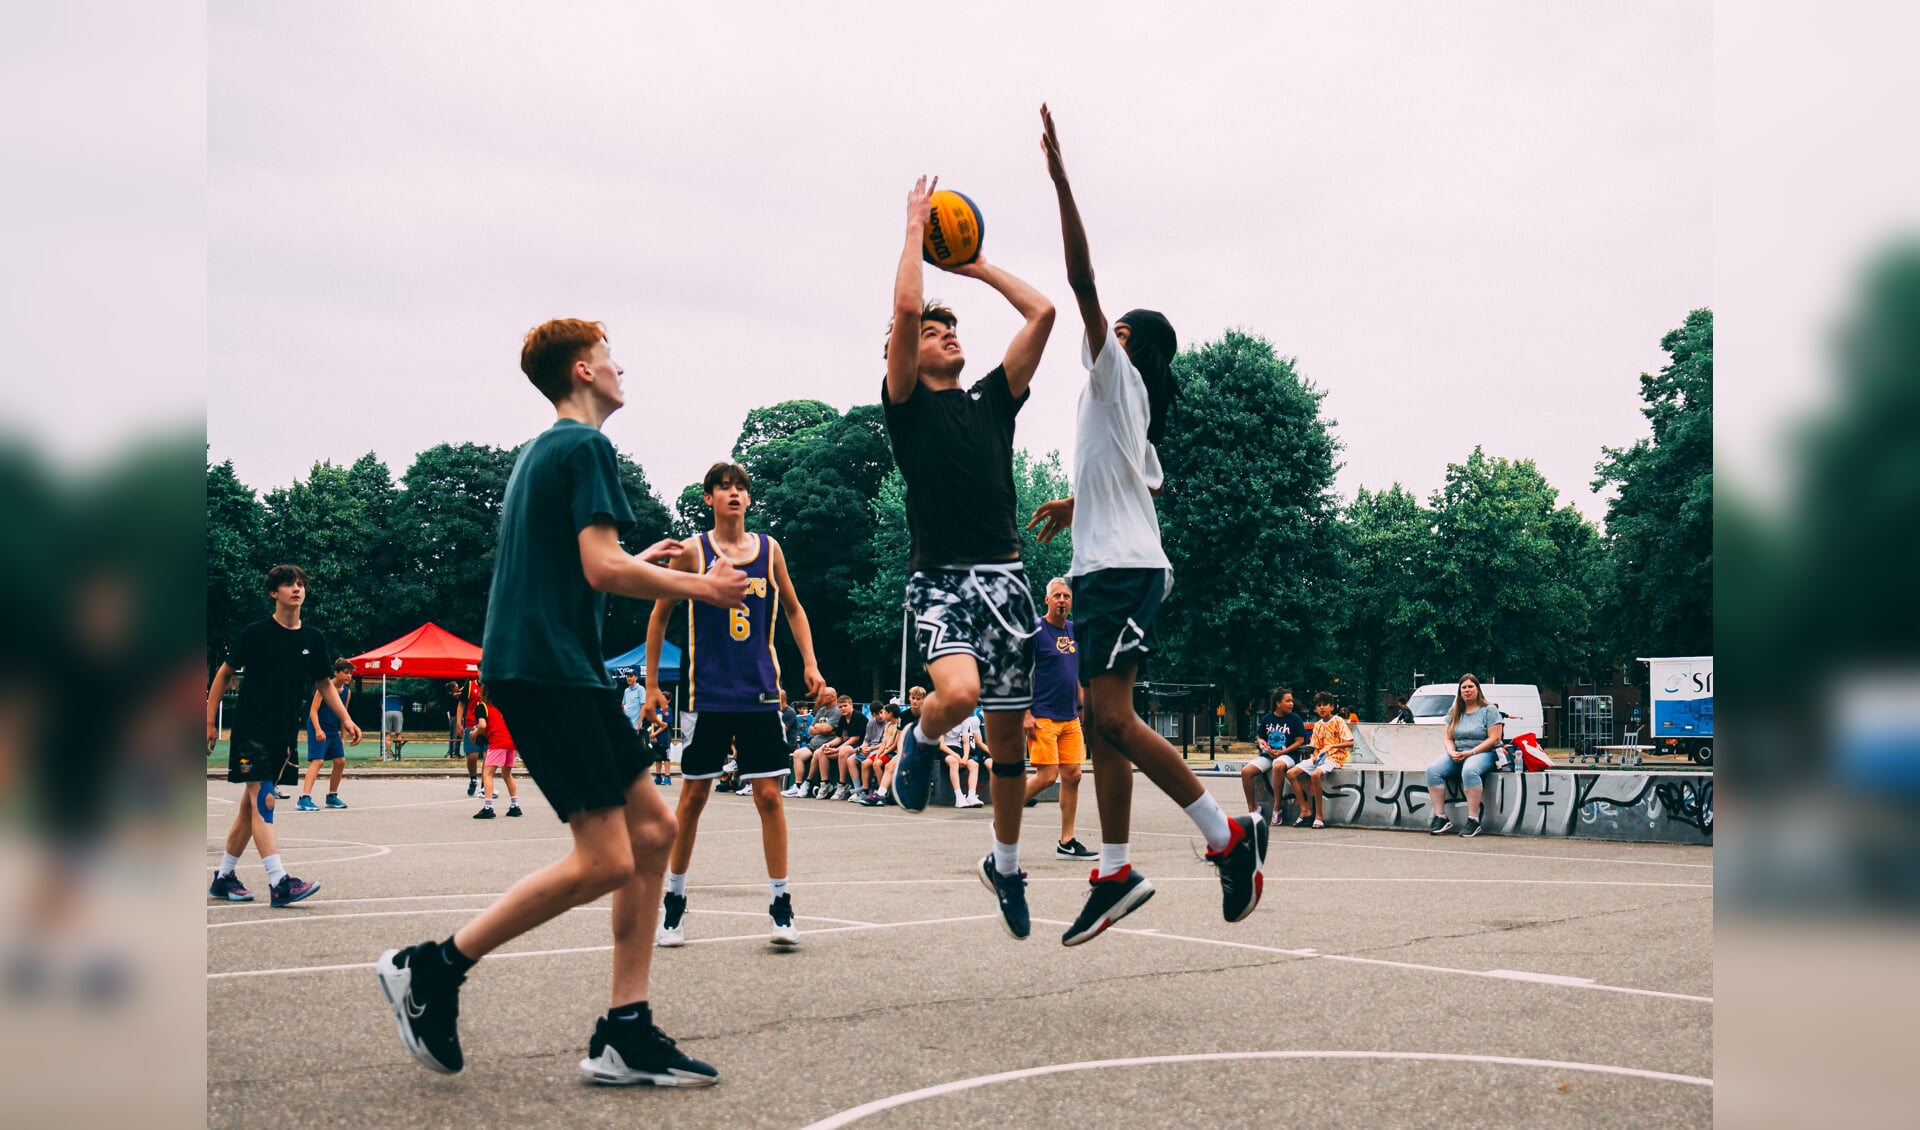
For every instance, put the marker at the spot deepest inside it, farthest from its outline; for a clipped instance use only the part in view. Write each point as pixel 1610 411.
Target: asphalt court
pixel 1387 978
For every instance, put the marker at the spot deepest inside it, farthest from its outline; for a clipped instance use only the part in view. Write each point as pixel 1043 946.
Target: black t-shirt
pixel 1402 715
pixel 955 451
pixel 853 724
pixel 281 666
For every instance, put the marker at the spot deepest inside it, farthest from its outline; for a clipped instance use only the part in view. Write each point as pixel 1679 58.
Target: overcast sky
pixel 1468 223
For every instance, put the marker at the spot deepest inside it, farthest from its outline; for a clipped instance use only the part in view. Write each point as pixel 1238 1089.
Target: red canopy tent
pixel 427 652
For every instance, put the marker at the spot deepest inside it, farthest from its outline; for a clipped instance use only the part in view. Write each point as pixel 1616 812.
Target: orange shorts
pixel 1057 743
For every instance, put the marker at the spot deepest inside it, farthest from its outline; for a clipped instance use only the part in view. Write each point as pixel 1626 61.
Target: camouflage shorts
pixel 985 611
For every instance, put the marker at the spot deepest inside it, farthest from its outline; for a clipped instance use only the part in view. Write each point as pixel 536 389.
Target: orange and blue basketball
pixel 954 230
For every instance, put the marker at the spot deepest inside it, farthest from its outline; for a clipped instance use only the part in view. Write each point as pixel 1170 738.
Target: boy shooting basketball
pixel 733 690
pixel 1120 575
pixel 974 612
pixel 558 556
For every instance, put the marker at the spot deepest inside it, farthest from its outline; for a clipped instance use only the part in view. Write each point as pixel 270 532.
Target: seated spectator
pixel 888 757
pixel 875 762
pixel 1474 730
pixel 851 734
pixel 859 773
pixel 1332 742
pixel 819 769
pixel 1401 715
pixel 1280 735
pixel 957 747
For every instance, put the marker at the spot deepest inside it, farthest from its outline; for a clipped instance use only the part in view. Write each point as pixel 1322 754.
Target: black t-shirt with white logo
pixel 281 666
pixel 955 451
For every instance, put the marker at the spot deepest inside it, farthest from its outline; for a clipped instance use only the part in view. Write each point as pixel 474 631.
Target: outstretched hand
pixel 1052 517
pixel 920 201
pixel 1050 145
pixel 661 552
pixel 727 586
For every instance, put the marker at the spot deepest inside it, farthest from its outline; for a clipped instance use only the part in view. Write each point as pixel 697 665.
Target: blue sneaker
pixel 1011 890
pixel 334 801
pixel 306 804
pixel 228 887
pixel 913 781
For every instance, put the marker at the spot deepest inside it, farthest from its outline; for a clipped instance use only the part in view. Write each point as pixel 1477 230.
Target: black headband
pixel 1151 328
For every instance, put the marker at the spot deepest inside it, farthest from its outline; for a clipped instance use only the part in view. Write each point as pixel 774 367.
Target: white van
pixel 1520 702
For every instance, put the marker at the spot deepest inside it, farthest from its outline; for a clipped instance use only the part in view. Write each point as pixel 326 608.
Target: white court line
pixel 848 1117
pixel 606 949
pixel 304 842
pixel 1291 841
pixel 1495 974
pixel 294 918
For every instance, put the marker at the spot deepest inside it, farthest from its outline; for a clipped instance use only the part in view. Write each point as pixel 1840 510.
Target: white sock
pixel 1006 857
pixel 228 863
pixel 1113 857
pixel 1211 819
pixel 920 734
pixel 275 872
pixel 677 884
pixel 778 887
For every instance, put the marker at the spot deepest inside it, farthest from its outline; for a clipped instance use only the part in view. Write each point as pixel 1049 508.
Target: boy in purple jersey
pixel 733 693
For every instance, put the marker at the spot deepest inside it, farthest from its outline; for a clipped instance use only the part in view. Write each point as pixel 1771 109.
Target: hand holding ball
pixel 954 230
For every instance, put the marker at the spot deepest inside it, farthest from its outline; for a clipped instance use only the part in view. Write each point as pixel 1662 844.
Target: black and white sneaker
pixel 913 780
pixel 1239 863
pixel 632 1052
pixel 1011 890
pixel 424 994
pixel 1074 849
pixel 1471 830
pixel 784 931
pixel 673 930
pixel 1440 826
pixel 1110 900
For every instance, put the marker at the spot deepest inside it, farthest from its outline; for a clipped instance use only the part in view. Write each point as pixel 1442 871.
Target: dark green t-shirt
pixel 543 619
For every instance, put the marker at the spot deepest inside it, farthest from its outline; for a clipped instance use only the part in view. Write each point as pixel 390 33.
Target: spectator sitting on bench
pixel 852 734
pixel 957 747
pixel 879 763
pixel 1474 729
pixel 1280 734
pixel 1332 742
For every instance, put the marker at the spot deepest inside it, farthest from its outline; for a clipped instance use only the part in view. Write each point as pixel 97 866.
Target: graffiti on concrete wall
pixel 1654 807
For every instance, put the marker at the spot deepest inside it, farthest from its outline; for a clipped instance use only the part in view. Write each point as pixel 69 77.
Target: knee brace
pixel 1009 769
pixel 263 801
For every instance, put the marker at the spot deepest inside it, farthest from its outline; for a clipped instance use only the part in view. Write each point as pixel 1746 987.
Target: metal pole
pixel 906 625
pixel 383 715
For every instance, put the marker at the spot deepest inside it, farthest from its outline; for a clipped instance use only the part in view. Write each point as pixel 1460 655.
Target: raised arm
pixel 903 341
pixel 1074 237
pixel 1030 340
pixel 796 620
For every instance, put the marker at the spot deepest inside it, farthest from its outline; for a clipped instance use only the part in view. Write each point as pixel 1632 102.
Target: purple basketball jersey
pixel 730 656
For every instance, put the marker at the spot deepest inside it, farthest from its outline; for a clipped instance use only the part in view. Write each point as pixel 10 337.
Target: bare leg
pixel 486 783
pixel 636 903
pixel 1069 800
pixel 513 792
pixel 1009 793
pixel 339 773
pixel 693 801
pixel 1112 789
pixel 1437 799
pixel 1247 773
pixel 773 825
pixel 264 841
pixel 953 775
pixel 1318 782
pixel 973 779
pixel 956 691
pixel 312 775
pixel 1279 808
pixel 1110 705
pixel 240 832
pixel 1043 775
pixel 1473 802
pixel 601 861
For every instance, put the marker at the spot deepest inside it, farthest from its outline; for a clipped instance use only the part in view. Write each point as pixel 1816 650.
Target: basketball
pixel 954 230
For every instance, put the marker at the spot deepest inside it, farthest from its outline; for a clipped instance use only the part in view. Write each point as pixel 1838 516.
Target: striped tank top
pixel 730 661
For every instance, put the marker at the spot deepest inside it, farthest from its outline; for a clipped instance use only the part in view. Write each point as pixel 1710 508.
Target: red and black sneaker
pixel 1239 863
pixel 1110 900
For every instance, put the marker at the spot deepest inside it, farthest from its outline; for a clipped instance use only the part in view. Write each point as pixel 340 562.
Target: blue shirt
pixel 731 666
pixel 630 702
pixel 1279 730
pixel 1472 727
pixel 1056 672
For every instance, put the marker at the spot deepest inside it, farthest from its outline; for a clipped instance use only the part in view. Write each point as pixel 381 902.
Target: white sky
pixel 1469 223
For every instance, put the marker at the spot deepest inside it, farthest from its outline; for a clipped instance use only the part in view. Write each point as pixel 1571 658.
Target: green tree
pixel 1246 516
pixel 780 421
pixel 324 525
pixel 626 624
pixel 450 517
pixel 1388 549
pixel 1508 601
pixel 236 564
pixel 1657 593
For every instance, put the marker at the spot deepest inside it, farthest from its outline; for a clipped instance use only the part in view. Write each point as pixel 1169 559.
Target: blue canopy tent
pixel 637 659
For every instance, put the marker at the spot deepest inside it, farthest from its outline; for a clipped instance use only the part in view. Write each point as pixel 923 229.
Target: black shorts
pixel 575 741
pixel 1113 611
pixel 250 759
pixel 753 737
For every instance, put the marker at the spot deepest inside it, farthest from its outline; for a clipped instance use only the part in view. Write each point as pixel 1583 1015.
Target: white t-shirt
pixel 1115 469
pixel 956 738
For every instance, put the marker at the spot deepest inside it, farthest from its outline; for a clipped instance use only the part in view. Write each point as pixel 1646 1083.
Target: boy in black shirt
pixel 954 447
pixel 559 553
pixel 285 662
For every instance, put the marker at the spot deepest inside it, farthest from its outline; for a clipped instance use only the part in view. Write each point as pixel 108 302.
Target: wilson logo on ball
pixel 954 230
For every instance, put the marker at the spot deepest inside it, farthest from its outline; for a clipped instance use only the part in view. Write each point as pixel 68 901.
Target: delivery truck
pixel 1682 691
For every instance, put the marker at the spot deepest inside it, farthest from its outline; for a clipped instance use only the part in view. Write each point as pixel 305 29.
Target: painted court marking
pixel 377 851
pixel 848 1117
pixel 286 919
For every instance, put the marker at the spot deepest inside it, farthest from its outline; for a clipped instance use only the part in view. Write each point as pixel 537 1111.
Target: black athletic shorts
pixel 250 759
pixel 575 741
pixel 1113 611
pixel 754 737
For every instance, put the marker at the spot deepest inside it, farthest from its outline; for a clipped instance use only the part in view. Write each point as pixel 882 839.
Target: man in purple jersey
pixel 733 693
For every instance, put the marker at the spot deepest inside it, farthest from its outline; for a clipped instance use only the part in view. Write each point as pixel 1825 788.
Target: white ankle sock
pixel 777 886
pixel 920 735
pixel 1211 819
pixel 1113 857
pixel 1006 858
pixel 275 872
pixel 677 884
pixel 228 863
